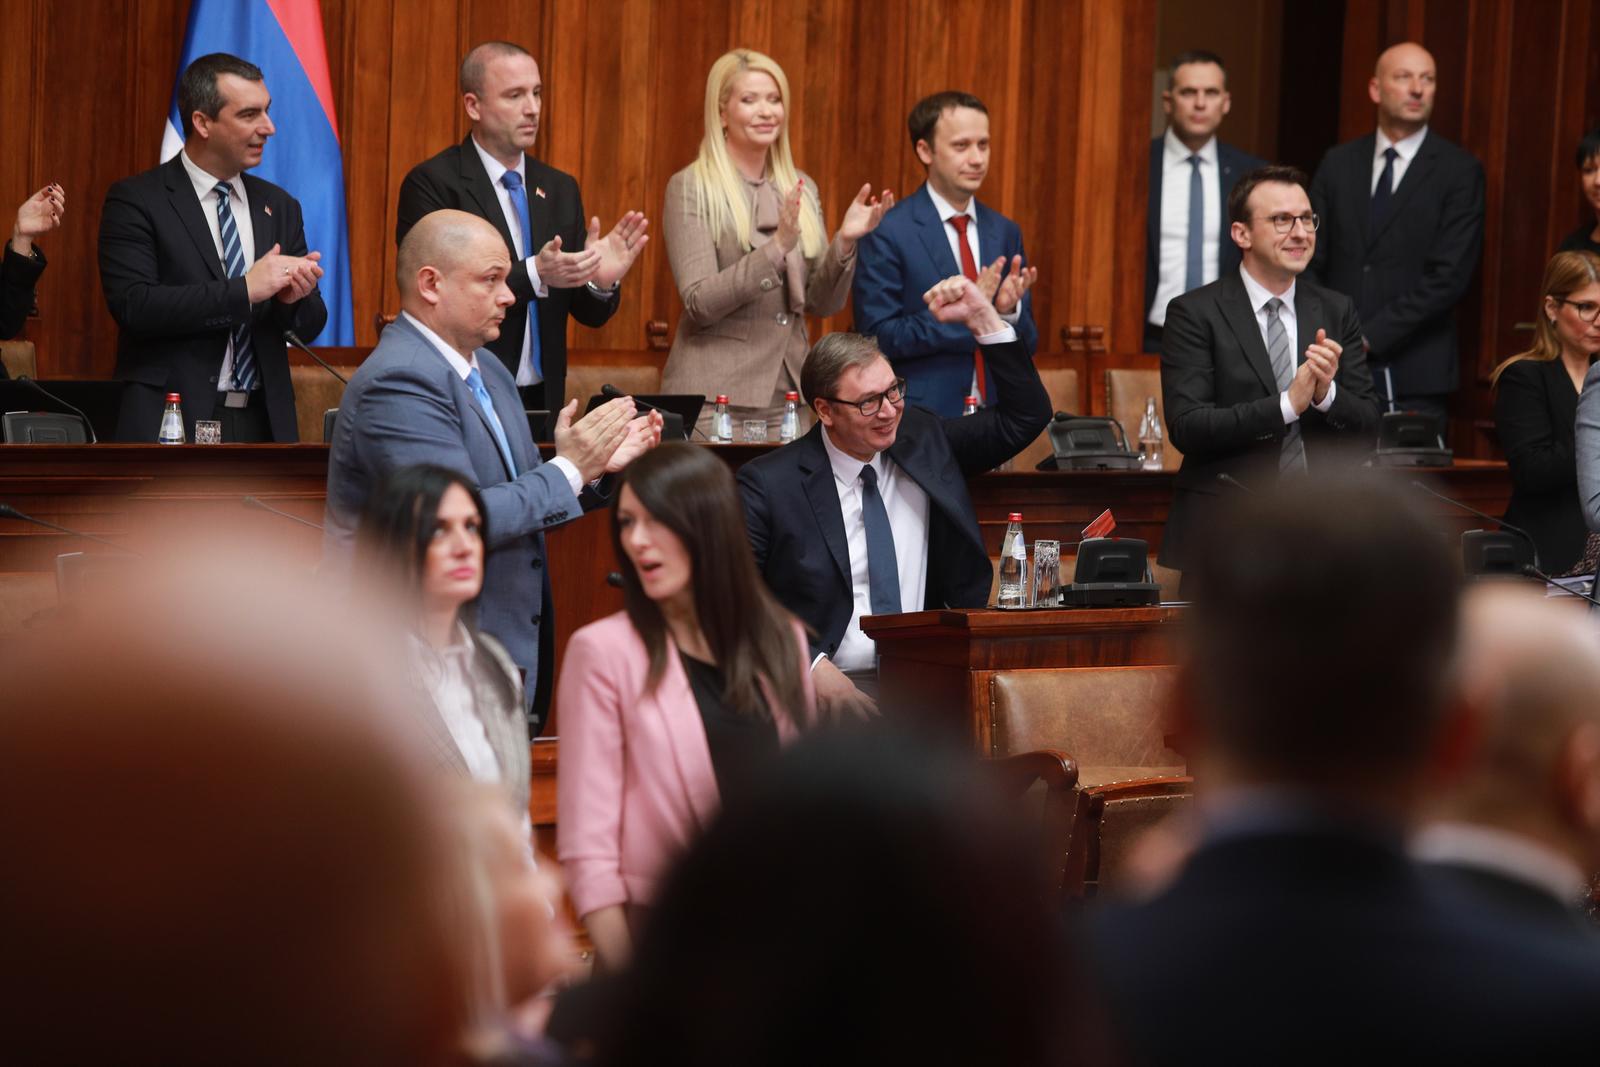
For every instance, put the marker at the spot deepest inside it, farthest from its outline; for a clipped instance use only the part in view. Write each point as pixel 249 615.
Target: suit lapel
pixel 1417 172
pixel 990 245
pixel 262 226
pixel 503 404
pixel 540 220
pixel 1226 176
pixel 932 232
pixel 816 474
pixel 675 702
pixel 1153 219
pixel 1307 317
pixel 1359 183
pixel 180 191
pixel 476 181
pixel 1234 302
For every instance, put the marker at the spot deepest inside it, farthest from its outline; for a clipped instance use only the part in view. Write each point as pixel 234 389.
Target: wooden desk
pixel 941 662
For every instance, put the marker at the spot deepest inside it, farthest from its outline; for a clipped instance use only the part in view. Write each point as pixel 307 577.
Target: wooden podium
pixel 942 661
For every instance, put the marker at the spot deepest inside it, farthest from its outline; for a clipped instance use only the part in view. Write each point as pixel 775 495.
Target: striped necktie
pixel 244 356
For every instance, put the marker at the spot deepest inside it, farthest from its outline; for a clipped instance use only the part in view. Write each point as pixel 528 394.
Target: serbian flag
pixel 284 39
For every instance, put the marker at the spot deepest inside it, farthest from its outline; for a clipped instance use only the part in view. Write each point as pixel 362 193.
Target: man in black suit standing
pixel 1313 702
pixel 868 514
pixel 1191 175
pixel 1404 214
pixel 205 267
pixel 560 265
pixel 1262 372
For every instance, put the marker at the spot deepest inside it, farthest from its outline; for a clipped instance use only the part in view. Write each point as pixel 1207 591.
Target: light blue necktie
pixel 481 394
pixel 1194 264
pixel 883 569
pixel 519 200
pixel 244 356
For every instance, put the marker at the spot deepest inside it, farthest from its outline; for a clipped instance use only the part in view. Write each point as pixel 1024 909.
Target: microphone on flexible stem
pixel 36 387
pixel 614 579
pixel 1228 479
pixel 261 505
pixel 1484 515
pixel 1534 572
pixel 611 392
pixel 289 337
pixel 9 512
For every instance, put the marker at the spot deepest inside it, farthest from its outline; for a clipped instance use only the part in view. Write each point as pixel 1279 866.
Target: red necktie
pixel 969 268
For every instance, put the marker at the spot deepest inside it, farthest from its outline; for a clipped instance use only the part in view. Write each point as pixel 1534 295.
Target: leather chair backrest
pixel 585 379
pixel 1108 719
pixel 1062 385
pixel 315 391
pixel 1127 390
pixel 1123 822
pixel 19 358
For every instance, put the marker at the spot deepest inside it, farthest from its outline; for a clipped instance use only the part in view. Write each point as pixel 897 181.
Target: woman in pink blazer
pixel 674 704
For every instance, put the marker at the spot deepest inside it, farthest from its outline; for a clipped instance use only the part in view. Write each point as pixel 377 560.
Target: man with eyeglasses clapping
pixel 868 514
pixel 1262 371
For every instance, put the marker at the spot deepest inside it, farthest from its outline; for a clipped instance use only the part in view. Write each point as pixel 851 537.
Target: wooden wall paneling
pixel 21 83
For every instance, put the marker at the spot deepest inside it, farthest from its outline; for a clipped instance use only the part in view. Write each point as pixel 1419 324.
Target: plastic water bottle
pixel 171 432
pixel 722 422
pixel 1150 437
pixel 789 429
pixel 1013 565
pixel 970 406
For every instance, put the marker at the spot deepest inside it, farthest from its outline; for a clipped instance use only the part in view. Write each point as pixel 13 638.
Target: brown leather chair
pixel 1062 385
pixel 1127 391
pixel 315 391
pixel 19 358
pixel 1118 816
pixel 585 379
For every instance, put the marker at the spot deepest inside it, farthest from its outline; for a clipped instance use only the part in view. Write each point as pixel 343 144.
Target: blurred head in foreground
pixel 888 909
pixel 214 849
pixel 1320 643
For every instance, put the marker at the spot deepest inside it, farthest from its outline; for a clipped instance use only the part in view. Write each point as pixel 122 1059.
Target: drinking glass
pixel 1046 574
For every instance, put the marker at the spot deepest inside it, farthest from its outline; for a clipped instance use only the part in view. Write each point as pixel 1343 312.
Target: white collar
pixel 1176 151
pixel 204 181
pixel 1259 294
pixel 461 365
pixel 1510 855
pixel 946 211
pixel 1406 146
pixel 847 468
pixel 498 169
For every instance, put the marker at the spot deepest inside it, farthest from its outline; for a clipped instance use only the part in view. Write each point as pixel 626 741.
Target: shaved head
pixel 452 273
pixel 441 241
pixel 1407 53
pixel 1403 83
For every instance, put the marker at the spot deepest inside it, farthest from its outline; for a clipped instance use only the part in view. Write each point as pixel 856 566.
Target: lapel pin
pixel 538 190
pixel 267 208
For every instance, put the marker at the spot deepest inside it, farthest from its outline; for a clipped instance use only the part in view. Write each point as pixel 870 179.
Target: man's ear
pixel 1241 235
pixel 823 411
pixel 473 105
pixel 428 279
pixel 924 153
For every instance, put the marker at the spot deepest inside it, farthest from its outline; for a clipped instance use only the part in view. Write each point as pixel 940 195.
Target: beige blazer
pixel 739 328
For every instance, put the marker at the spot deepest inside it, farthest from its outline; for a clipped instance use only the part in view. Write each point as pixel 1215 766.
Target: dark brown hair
pixel 691 492
pixel 1239 199
pixel 828 360
pixel 924 118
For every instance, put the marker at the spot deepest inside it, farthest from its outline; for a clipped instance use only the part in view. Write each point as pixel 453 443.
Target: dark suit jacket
pixel 175 305
pixel 902 259
pixel 1535 416
pixel 18 273
pixel 455 178
pixel 1516 899
pixel 1407 278
pixel 406 405
pixel 1221 397
pixel 1580 240
pixel 1232 164
pixel 797 528
pixel 1330 947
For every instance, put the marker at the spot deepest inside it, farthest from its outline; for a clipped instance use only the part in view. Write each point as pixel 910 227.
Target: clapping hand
pixel 620 248
pixel 590 442
pixel 281 277
pixel 1322 356
pixel 788 235
pixel 959 299
pixel 1019 281
pixel 38 215
pixel 566 270
pixel 864 214
pixel 643 434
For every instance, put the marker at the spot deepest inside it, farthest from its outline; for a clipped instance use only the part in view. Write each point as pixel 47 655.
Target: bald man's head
pixel 1530 673
pixel 1402 86
pixel 452 272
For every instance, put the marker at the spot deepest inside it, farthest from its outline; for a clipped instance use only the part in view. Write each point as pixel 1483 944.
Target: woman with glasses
pixel 672 708
pixel 749 253
pixel 1536 402
pixel 1586 238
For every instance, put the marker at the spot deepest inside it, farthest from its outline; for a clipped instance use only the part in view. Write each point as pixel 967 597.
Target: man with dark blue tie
pixel 1191 175
pixel 560 264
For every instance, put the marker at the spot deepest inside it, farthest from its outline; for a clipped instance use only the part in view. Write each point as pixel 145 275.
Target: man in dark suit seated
pixel 1404 213
pixel 868 514
pixel 1261 371
pixel 1520 828
pixel 204 267
pixel 560 266
pixel 1313 702
pixel 1191 174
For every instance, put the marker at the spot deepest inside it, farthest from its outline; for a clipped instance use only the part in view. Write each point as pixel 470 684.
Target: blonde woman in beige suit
pixel 748 248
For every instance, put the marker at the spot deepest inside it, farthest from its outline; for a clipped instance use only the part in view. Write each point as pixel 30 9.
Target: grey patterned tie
pixel 1293 455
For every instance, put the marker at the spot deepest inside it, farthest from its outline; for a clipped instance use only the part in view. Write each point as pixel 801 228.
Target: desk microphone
pixel 36 387
pixel 9 512
pixel 291 338
pixel 611 392
pixel 1228 479
pixel 1486 517
pixel 614 579
pixel 1534 572
pixel 261 505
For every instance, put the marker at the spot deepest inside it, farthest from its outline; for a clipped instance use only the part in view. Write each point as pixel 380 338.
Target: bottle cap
pixel 1015 516
pixel 791 395
pixel 972 400
pixel 722 398
pixel 174 398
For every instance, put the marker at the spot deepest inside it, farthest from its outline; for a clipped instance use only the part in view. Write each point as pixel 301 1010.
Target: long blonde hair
pixel 1566 273
pixel 719 194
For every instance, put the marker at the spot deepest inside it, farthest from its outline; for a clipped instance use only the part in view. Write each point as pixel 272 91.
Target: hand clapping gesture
pixel 620 248
pixel 38 215
pixel 1006 294
pixel 864 214
pixel 959 299
pixel 788 235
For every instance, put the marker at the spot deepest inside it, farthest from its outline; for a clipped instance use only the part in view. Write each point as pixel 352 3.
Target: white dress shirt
pixel 463 367
pixel 946 213
pixel 1259 298
pixel 907 506
pixel 1407 151
pixel 1172 252
pixel 447 675
pixel 205 187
